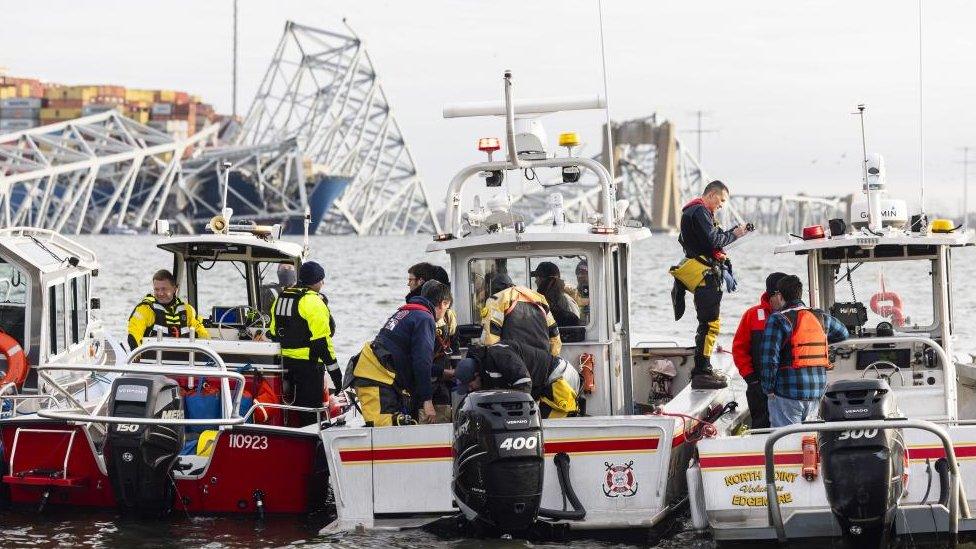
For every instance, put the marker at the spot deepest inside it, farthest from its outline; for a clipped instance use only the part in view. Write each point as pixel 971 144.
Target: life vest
pixel 808 342
pixel 291 328
pixel 172 319
pixel 519 314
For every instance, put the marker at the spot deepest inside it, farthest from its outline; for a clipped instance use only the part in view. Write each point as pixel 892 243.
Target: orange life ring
pixel 892 310
pixel 16 360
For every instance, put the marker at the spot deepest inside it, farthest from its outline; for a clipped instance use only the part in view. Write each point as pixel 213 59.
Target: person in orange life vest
pixel 702 241
pixel 794 359
pixel 747 345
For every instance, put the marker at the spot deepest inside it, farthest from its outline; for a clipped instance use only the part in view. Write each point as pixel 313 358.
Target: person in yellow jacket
pixel 520 314
pixel 300 323
pixel 163 311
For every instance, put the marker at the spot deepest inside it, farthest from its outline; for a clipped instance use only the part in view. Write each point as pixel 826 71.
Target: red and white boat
pixel 619 466
pixel 47 317
pixel 891 451
pixel 134 447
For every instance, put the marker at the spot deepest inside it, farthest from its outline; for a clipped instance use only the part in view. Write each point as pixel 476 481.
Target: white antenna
pixel 606 96
pixel 921 140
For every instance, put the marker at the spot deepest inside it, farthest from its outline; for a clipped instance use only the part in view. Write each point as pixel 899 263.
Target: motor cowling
pixel 498 459
pixel 864 470
pixel 140 458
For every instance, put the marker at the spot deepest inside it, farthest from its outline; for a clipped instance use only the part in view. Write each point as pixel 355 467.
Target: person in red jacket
pixel 747 346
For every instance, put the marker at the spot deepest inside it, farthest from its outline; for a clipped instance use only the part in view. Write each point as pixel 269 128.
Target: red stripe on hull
pixel 445 452
pixel 613 445
pixel 396 454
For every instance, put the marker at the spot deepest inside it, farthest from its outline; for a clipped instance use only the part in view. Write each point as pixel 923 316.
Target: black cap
pixel 497 282
pixel 772 280
pixel 546 268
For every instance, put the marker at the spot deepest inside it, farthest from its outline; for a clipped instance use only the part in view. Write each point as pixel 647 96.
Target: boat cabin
pixel 46 307
pixel 893 291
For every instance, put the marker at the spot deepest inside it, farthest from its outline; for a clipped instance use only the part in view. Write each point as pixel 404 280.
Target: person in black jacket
pixel 508 364
pixel 703 242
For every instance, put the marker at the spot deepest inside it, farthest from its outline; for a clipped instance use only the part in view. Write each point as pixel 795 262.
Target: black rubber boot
pixel 708 380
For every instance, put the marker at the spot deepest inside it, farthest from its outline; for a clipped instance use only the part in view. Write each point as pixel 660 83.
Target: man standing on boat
pixel 747 346
pixel 164 312
pixel 794 359
pixel 300 323
pixel 702 273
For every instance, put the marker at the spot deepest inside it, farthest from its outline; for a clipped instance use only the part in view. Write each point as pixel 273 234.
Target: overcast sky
pixel 780 79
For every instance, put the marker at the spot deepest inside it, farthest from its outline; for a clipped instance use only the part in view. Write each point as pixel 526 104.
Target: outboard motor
pixel 140 458
pixel 498 460
pixel 864 470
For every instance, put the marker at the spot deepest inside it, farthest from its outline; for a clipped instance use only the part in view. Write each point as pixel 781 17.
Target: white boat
pixel 47 317
pixel 623 466
pixel 893 447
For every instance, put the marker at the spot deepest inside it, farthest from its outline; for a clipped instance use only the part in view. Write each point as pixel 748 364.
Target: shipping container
pixel 8 91
pixel 165 96
pixel 162 109
pixel 8 126
pixel 95 108
pixel 60 114
pixel 20 103
pixel 19 113
pixel 64 103
pixel 141 117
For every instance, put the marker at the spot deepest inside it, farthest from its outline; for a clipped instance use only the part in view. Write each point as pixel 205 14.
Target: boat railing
pixel 955 485
pixel 509 109
pixel 291 407
pixel 230 401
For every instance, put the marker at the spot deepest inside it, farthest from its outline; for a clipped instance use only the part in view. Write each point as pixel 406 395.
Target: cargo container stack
pixel 26 103
pixel 21 100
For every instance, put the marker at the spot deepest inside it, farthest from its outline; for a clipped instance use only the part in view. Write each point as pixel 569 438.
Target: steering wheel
pixel 887 364
pixel 243 330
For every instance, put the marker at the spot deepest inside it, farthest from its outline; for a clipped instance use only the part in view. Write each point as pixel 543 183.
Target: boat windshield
pixel 899 292
pixel 564 278
pixel 220 284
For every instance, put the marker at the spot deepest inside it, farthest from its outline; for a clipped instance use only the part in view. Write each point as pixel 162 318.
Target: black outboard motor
pixel 863 469
pixel 498 460
pixel 140 457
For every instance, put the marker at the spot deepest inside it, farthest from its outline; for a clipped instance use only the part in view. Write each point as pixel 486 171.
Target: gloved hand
pixel 730 283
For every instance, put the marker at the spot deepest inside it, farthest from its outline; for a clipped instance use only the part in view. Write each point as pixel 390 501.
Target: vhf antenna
pixel 864 142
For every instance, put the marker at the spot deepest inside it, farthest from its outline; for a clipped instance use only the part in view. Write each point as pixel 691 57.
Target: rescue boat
pixel 621 465
pixel 192 424
pixel 47 317
pixel 891 451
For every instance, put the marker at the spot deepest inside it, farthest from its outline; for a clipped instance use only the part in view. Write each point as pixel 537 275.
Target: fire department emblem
pixel 620 480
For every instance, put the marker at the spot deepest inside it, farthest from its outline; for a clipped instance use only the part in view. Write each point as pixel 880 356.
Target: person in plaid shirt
pixel 794 359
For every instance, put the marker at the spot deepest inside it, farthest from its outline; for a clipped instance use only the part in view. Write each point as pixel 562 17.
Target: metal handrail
pixel 231 415
pixel 318 411
pixel 772 500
